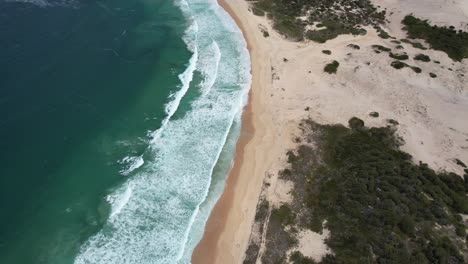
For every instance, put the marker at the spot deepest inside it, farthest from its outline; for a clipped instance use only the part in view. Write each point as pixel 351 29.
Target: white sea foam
pixel 185 78
pixel 118 202
pixel 209 65
pixel 153 214
pixel 130 164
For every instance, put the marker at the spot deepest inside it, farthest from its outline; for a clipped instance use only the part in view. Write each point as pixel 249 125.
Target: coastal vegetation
pixel 446 39
pixel 330 18
pixel 381 48
pixel 354 46
pixel 331 67
pixel 377 204
pixel 402 56
pixel 400 65
pixel 422 57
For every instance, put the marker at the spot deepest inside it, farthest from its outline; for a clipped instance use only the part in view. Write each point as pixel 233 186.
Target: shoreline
pixel 289 84
pixel 208 248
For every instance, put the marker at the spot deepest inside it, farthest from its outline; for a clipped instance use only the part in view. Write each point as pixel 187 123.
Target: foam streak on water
pixel 154 212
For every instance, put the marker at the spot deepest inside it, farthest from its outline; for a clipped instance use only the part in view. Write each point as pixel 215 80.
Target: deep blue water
pixel 76 78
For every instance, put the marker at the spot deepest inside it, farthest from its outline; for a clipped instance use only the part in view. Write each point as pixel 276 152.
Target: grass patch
pixel 331 67
pixel 447 39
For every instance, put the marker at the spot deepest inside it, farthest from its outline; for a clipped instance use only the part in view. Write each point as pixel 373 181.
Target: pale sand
pixel 432 112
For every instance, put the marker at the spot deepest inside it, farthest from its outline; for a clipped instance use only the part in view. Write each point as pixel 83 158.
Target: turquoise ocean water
pixel 118 124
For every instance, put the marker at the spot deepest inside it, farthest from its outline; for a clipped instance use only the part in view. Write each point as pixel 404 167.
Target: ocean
pixel 119 123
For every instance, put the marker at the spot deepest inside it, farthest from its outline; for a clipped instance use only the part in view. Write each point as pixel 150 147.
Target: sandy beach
pixel 289 84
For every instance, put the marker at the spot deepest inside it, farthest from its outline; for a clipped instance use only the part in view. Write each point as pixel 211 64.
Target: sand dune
pixel 289 84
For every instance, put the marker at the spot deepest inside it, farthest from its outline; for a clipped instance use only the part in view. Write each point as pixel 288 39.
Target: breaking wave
pixel 153 213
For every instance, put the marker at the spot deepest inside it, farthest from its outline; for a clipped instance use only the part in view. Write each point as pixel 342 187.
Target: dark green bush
pixel 445 39
pixel 331 67
pixel 328 15
pixel 398 64
pixel 297 258
pixel 415 44
pixel 283 214
pixel 383 34
pixel 422 57
pixel 416 69
pixel 328 52
pixel 461 163
pixel 433 75
pixel 381 48
pixel 378 204
pixel 355 123
pixel 354 46
pixel 402 56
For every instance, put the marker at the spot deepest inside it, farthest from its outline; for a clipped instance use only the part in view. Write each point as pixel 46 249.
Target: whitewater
pixel 158 214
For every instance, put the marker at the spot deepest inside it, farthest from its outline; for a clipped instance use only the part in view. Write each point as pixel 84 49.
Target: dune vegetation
pixel 378 205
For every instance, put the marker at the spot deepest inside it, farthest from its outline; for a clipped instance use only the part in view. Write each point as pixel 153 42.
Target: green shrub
pixel 297 258
pixel 383 34
pixel 354 46
pixel 422 57
pixel 331 67
pixel 398 65
pixel 257 11
pixel 460 230
pixel 461 163
pixel 416 69
pixel 433 75
pixel 448 40
pixel 381 48
pixel 378 204
pixel 415 44
pixel 406 225
pixel 355 123
pixel 283 214
pixel 402 56
pixel 392 121
pixel 328 52
pixel 327 15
